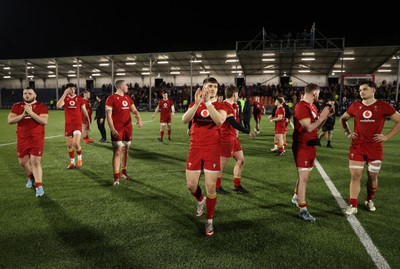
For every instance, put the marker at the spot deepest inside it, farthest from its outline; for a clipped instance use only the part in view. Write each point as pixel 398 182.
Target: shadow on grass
pixel 155 199
pixel 164 203
pixel 91 246
pixel 136 152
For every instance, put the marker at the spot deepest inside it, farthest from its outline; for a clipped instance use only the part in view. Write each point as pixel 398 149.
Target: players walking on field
pixel 74 107
pixel 167 111
pixel 258 110
pixel 119 107
pixel 30 116
pixel 86 125
pixel 206 115
pixel 230 145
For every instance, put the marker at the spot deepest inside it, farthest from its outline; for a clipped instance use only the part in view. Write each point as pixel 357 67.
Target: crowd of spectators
pixel 180 95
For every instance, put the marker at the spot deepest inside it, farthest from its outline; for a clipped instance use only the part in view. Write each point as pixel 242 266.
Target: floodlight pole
pixel 56 80
pixel 77 75
pixel 341 75
pixel 112 76
pixel 26 74
pixel 263 40
pixel 191 79
pixel 398 74
pixel 151 64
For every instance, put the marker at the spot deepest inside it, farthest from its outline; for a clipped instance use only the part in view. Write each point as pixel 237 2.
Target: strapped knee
pixel 373 168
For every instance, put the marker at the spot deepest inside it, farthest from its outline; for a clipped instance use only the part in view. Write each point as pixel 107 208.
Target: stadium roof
pixel 247 59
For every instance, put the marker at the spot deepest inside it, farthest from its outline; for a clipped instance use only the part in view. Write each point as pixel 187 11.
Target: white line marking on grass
pixel 53 136
pixel 7 144
pixel 13 143
pixel 372 250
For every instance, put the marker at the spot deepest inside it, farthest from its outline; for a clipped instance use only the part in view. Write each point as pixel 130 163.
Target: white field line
pixel 372 250
pixel 13 143
pixel 53 136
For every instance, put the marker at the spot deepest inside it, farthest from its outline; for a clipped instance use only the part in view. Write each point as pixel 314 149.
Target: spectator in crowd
pixel 185 104
pixel 101 116
pixel 52 103
pixel 247 114
pixel 344 105
pixel 240 106
pixel 329 125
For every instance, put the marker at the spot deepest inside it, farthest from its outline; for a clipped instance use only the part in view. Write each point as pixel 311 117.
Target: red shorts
pixel 257 117
pixel 304 155
pixel 366 152
pixel 279 129
pixel 229 147
pixel 85 121
pixel 32 145
pixel 125 133
pixel 165 119
pixel 70 128
pixel 238 146
pixel 203 158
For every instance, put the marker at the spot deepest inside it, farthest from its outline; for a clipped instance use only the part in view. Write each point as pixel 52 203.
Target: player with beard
pixel 305 139
pixel 30 116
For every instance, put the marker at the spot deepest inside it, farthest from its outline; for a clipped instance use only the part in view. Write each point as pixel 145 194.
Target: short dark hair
pixel 118 83
pixel 230 90
pixel 311 87
pixel 70 85
pixel 210 80
pixel 280 100
pixel 370 83
pixel 329 96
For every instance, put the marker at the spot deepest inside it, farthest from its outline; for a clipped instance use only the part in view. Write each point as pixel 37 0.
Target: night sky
pixel 35 29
